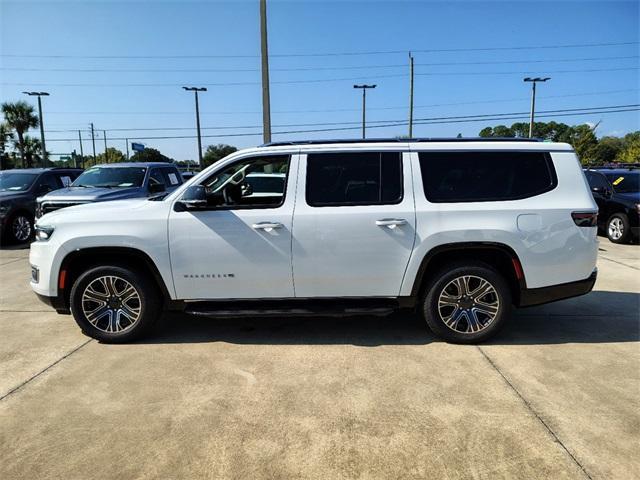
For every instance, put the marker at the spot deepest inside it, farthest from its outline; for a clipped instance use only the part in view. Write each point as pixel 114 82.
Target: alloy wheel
pixel 616 228
pixel 111 304
pixel 468 304
pixel 21 228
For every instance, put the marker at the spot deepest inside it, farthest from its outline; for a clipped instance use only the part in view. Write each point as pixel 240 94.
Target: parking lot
pixel 556 395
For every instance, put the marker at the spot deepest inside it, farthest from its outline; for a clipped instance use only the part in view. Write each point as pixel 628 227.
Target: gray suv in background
pixel 117 181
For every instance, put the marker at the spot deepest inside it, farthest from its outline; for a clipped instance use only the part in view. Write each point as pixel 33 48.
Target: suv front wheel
pixel 114 304
pixel 467 303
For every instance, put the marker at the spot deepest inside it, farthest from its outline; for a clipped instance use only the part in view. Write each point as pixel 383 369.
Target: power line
pixel 333 54
pixel 306 69
pixel 315 124
pixel 310 81
pixel 333 110
pixel 421 121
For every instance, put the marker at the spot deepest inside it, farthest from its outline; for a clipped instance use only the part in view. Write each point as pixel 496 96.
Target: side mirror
pixel 193 198
pixel 157 187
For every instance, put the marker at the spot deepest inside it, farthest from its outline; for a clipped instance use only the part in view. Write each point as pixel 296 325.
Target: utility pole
pixel 533 99
pixel 126 144
pixel 364 105
pixel 266 98
pixel 196 90
pixel 410 95
pixel 93 141
pixel 42 144
pixel 104 133
pixel 81 151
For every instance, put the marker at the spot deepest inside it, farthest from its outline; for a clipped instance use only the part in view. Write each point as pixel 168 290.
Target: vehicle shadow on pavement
pixel 600 317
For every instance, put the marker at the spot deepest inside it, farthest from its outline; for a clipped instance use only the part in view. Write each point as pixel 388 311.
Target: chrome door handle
pixel 268 226
pixel 391 222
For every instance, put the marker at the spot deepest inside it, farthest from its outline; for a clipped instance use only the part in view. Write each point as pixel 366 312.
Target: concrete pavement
pixel 554 396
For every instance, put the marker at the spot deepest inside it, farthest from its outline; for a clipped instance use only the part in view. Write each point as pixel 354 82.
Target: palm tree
pixel 32 149
pixel 6 135
pixel 20 116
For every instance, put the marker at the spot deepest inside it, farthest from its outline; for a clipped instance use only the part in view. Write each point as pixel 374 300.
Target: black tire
pixel 19 228
pixel 471 314
pixel 618 229
pixel 149 304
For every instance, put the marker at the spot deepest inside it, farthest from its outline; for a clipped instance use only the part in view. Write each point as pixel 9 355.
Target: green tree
pixel 112 155
pixel 32 150
pixel 20 116
pixel 608 149
pixel 215 153
pixel 497 131
pixel 150 155
pixel 6 135
pixel 583 140
pixel 631 151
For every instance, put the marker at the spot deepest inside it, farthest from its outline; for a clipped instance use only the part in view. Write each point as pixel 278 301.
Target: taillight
pixel 585 219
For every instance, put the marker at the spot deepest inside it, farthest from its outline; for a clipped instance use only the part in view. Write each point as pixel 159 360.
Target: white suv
pixel 460 230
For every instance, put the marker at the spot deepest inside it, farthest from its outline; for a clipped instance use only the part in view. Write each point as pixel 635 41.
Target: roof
pixel 402 140
pixel 41 170
pixel 135 164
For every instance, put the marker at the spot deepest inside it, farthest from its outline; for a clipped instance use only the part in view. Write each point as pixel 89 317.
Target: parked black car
pixel 617 193
pixel 19 189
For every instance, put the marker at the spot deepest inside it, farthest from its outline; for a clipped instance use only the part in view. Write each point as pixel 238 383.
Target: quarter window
pixel 485 176
pixel 348 179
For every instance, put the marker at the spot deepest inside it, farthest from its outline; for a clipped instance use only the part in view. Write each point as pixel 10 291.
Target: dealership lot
pixel 556 395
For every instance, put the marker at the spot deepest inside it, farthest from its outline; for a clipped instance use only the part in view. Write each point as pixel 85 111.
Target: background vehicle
pixel 459 230
pixel 19 189
pixel 617 193
pixel 115 181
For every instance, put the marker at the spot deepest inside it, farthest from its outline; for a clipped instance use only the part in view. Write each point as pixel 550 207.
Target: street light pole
pixel 81 150
pixel 264 53
pixel 364 105
pixel 93 142
pixel 410 95
pixel 44 147
pixel 533 99
pixel 196 90
pixel 104 133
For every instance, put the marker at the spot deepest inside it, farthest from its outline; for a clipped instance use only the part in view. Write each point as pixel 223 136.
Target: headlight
pixel 637 208
pixel 43 233
pixel 4 209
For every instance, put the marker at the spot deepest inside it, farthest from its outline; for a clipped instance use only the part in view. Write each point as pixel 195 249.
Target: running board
pixel 292 308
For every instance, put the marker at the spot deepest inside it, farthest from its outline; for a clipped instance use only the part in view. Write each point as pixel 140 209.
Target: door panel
pixel 347 251
pixel 234 254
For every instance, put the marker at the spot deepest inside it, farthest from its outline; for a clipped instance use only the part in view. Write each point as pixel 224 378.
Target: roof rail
pixel 615 166
pixel 402 140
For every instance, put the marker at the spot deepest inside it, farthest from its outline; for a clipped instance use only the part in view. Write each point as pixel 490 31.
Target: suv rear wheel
pixel 114 304
pixel 618 230
pixel 467 303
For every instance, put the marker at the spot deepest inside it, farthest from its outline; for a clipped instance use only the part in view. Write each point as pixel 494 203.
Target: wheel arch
pixel 498 255
pixel 78 261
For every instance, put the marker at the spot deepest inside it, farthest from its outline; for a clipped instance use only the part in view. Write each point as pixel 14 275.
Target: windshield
pixel 625 182
pixel 16 182
pixel 111 177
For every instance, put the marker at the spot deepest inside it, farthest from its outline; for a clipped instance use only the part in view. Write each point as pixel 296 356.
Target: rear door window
pixel 349 179
pixel 485 176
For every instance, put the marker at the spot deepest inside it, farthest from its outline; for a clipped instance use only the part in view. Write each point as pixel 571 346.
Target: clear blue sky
pixel 46 45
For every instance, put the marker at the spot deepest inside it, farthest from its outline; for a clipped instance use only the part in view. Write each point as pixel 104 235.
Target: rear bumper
pixel 537 296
